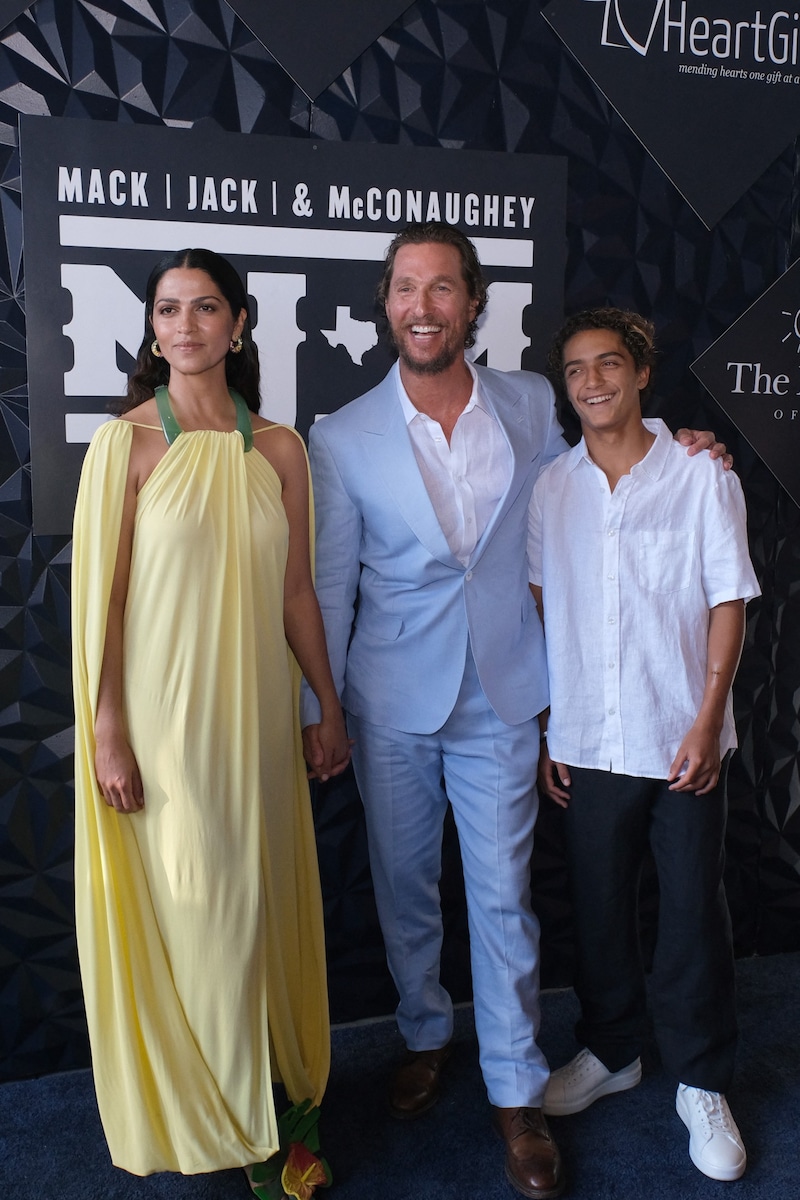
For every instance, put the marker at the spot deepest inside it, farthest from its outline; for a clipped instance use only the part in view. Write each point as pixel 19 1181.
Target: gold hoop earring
pixel 236 347
pixel 154 347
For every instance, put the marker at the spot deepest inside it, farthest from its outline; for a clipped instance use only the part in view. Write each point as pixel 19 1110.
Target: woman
pixel 198 906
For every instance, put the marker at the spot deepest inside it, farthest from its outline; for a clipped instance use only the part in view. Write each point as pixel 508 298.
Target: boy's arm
pixel 699 750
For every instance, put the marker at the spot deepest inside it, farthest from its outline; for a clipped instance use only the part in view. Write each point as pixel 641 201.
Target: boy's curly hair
pixel 637 333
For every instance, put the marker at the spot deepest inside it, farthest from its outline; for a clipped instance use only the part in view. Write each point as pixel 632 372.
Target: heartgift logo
pixel 672 27
pixel 684 74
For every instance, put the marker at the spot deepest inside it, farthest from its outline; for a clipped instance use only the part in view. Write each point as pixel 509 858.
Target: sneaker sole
pixel 621 1081
pixel 723 1176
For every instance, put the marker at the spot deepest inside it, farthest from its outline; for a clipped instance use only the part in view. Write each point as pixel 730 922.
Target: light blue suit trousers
pixel 489 770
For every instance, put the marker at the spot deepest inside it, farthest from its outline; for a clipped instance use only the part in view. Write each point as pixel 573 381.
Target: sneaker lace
pixel 580 1066
pixel 716 1110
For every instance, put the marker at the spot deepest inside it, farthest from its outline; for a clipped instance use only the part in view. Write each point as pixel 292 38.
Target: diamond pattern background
pixel 475 74
pixel 686 120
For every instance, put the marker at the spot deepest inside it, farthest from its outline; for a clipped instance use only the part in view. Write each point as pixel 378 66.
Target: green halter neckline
pixel 172 429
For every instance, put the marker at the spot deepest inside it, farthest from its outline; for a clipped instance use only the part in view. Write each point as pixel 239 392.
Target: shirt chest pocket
pixel 665 560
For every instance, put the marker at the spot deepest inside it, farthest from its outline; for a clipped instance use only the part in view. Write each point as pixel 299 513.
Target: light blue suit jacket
pixel 398 606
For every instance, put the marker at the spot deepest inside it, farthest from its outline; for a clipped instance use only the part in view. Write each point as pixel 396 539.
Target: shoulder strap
pixel 166 416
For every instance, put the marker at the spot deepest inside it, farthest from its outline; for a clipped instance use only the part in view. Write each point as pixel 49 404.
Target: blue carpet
pixel 624 1147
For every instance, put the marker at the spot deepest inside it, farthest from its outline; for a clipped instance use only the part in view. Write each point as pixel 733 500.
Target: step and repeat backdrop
pixel 305 223
pixel 597 151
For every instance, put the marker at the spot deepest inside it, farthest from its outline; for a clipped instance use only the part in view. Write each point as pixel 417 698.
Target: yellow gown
pixel 199 918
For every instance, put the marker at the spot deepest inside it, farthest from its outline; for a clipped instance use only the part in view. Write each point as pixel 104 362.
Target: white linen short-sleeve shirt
pixel 628 579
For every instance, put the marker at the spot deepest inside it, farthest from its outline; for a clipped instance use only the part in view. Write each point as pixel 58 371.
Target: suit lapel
pixel 507 403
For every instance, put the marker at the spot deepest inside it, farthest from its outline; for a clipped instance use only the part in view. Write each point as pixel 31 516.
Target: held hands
pixel 703 439
pixel 699 754
pixel 553 778
pixel 118 775
pixel 326 746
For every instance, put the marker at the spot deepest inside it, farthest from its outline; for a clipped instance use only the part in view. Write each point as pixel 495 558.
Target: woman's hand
pixel 118 774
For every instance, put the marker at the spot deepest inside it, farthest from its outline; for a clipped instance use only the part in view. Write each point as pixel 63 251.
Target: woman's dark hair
pixel 241 370
pixel 421 233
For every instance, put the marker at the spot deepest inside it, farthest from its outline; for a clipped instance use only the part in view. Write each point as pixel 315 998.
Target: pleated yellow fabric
pixel 199 919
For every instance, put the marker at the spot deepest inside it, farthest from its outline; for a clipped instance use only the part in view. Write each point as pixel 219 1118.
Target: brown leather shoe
pixel 415 1086
pixel 533 1164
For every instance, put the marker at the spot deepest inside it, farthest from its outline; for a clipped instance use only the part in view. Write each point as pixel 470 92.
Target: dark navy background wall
pixel 477 74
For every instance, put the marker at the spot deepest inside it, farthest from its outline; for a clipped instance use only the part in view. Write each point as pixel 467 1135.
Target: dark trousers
pixel 609 823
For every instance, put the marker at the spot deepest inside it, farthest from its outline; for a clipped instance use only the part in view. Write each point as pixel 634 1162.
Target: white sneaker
pixel 574 1087
pixel 715 1144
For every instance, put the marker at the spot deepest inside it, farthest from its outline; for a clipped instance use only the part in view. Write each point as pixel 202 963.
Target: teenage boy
pixel 641 573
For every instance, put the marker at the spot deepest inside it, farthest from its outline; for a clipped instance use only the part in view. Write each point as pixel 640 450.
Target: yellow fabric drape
pixel 199 919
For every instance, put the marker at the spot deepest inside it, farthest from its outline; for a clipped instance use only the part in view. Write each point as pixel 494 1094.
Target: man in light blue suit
pixel 421 490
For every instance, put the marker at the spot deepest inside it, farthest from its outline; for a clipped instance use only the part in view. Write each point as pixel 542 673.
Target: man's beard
pixel 432 366
pixel 449 354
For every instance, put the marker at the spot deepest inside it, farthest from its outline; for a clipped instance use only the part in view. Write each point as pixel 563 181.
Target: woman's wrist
pixel 109 727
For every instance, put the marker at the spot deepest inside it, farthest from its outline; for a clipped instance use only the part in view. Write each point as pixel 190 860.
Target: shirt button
pixel 612 577
pixel 611 712
pixel 611 621
pixel 469 575
pixel 611 532
pixel 611 666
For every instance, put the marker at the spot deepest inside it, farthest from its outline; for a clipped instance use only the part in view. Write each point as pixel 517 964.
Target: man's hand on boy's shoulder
pixel 696 440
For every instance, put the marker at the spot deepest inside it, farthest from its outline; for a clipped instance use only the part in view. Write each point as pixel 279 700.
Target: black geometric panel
pixel 313 40
pixel 753 371
pixel 10 10
pixel 484 75
pixel 683 82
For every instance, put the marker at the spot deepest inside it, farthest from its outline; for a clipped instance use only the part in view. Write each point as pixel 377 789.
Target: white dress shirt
pixel 628 580
pixel 466 478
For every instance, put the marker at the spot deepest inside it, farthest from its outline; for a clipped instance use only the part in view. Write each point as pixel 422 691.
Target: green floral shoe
pixel 297 1169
